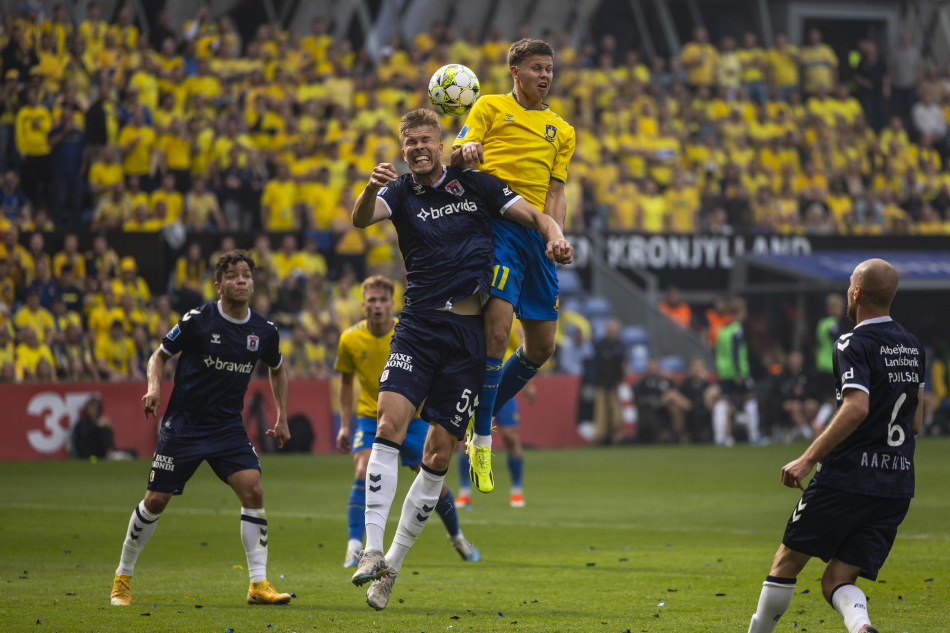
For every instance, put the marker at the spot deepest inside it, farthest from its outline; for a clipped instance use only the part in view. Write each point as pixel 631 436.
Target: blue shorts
pixel 523 276
pixel 856 529
pixel 508 415
pixel 438 358
pixel 411 454
pixel 177 458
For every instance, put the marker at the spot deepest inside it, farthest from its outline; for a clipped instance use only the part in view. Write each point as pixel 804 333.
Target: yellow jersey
pixel 523 148
pixel 362 353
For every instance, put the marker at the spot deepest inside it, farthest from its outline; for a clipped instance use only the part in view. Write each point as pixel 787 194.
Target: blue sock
pixel 515 469
pixel 516 374
pixel 446 511
pixel 464 481
pixel 486 400
pixel 356 509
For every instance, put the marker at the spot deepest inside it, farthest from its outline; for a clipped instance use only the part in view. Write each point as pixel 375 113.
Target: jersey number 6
pixel 896 428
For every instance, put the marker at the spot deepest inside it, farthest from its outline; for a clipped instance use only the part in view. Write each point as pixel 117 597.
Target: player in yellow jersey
pixel 363 351
pixel 516 138
pixel 508 419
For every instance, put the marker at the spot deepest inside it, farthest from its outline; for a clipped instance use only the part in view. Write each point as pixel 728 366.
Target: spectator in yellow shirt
pixel 137 142
pixel 34 316
pixel 93 30
pixel 130 283
pixel 700 59
pixel 115 353
pixel 70 255
pixel 175 148
pixel 754 66
pixel 277 203
pixel 287 261
pixel 819 64
pixel 652 214
pixel 142 220
pixel 105 173
pixel 201 207
pixel 30 354
pixel 33 124
pixel 112 211
pixel 174 202
pixel 102 316
pixel 783 66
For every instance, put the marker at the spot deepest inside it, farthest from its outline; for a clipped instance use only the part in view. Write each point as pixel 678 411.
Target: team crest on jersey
pixel 253 342
pixel 455 188
pixel 549 132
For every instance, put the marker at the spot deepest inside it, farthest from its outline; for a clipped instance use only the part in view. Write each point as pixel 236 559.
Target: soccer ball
pixel 454 89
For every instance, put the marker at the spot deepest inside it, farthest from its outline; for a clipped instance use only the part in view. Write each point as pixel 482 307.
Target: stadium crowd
pixel 105 128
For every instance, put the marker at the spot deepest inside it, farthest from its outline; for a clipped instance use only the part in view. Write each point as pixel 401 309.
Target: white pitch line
pixel 571 525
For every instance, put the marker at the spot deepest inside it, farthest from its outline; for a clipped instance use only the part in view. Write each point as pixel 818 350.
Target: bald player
pixel 849 514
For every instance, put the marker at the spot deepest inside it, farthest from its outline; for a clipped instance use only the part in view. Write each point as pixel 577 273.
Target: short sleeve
pixel 497 195
pixel 852 364
pixel 391 194
pixel 344 360
pixel 563 158
pixel 174 341
pixel 476 125
pixel 270 353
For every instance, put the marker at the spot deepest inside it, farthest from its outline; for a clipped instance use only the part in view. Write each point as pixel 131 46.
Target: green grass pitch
pixel 662 539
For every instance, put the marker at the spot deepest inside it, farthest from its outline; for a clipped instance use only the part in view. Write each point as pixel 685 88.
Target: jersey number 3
pixel 893 428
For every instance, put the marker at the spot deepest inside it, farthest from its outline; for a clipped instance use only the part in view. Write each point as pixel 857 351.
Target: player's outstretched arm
pixel 369 208
pixel 346 412
pixel 854 409
pixel 559 250
pixel 155 370
pixel 555 204
pixel 278 385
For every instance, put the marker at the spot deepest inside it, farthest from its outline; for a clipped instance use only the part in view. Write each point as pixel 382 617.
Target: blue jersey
pixel 887 362
pixel 218 354
pixel 445 233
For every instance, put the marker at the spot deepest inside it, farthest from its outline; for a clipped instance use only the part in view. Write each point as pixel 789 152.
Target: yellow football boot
pixel 479 462
pixel 264 593
pixel 122 591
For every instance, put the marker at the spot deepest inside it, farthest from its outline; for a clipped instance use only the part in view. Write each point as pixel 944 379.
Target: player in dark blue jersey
pixel 220 344
pixel 849 514
pixel 443 217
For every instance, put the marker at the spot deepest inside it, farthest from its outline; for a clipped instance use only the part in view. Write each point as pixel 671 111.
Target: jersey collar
pixel 232 319
pixel 515 99
pixel 883 319
pixel 445 172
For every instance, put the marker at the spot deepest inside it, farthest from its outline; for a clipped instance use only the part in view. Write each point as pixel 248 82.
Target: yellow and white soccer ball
pixel 454 89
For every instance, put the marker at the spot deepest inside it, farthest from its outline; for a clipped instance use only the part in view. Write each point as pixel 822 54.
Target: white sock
pixel 482 440
pixel 354 544
pixel 382 471
pixel 254 537
pixel 825 411
pixel 850 602
pixel 141 528
pixel 752 413
pixel 416 510
pixel 773 603
pixel 720 419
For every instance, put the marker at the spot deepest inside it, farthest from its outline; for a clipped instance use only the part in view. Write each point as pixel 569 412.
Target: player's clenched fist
pixel 560 251
pixel 383 174
pixel 150 402
pixel 473 153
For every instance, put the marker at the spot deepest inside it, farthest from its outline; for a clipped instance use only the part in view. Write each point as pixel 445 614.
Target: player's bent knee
pixel 837 573
pixel 155 502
